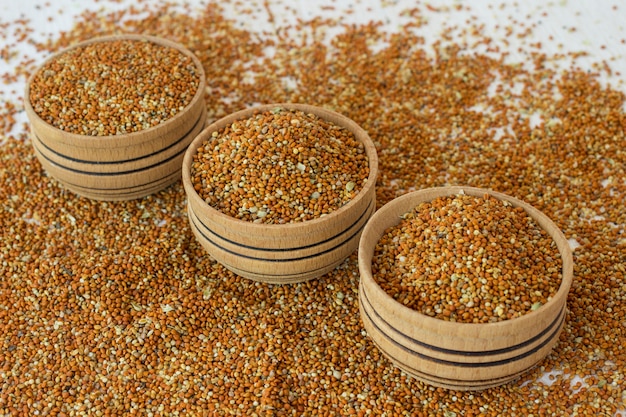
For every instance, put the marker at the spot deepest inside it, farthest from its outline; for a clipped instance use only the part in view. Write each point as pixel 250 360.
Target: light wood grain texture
pixel 119 167
pixel 125 193
pixel 458 355
pixel 290 252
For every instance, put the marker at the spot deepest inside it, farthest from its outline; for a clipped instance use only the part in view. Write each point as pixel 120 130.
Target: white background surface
pixel 597 27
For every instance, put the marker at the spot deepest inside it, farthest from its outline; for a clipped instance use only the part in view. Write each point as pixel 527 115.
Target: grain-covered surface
pixel 106 308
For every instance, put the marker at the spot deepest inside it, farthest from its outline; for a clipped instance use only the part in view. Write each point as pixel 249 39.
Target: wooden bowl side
pixel 456 375
pixel 124 180
pixel 291 234
pixel 134 144
pixel 449 368
pixel 450 348
pixel 124 194
pixel 280 266
pixel 283 279
pixel 112 183
pixel 110 151
pixel 459 336
pixel 286 253
pixel 123 164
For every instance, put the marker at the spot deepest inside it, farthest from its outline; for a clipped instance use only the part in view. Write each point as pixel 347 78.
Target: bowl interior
pixel 175 122
pixel 389 215
pixel 363 197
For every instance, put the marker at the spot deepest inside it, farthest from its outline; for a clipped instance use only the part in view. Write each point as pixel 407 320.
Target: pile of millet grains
pixel 468 259
pixel 279 166
pixel 113 308
pixel 113 88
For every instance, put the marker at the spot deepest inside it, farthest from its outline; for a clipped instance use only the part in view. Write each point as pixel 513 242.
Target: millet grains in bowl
pixel 113 87
pixel 280 166
pixel 468 259
pixel 151 323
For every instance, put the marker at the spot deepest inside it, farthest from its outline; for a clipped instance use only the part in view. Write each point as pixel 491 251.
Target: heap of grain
pixel 280 166
pixel 468 259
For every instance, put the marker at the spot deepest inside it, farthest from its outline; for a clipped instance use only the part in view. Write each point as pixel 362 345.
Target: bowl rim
pixel 326 114
pixel 390 209
pixel 139 136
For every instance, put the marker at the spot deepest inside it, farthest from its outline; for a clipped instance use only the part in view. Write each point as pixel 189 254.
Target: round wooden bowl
pixel 286 253
pixel 460 356
pixel 118 167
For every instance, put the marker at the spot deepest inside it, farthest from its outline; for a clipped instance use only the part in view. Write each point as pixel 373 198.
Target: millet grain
pixel 112 309
pixel 113 87
pixel 279 166
pixel 468 259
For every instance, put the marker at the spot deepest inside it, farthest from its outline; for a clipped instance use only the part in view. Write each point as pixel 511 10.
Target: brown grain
pixel 113 87
pixel 468 259
pixel 279 166
pixel 112 309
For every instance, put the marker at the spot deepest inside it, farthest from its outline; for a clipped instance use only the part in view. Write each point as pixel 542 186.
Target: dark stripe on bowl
pixel 206 228
pixel 474 384
pixel 278 278
pixel 145 189
pixel 193 219
pixel 117 191
pixel 110 174
pixel 83 161
pixel 555 326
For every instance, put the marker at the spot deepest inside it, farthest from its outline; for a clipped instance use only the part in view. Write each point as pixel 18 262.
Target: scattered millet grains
pixel 468 259
pixel 113 309
pixel 279 166
pixel 113 87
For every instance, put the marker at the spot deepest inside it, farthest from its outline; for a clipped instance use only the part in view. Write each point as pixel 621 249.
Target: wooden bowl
pixel 118 167
pixel 460 356
pixel 285 253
